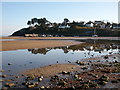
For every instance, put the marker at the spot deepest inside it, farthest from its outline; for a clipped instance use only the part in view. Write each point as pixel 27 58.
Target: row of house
pixel 99 24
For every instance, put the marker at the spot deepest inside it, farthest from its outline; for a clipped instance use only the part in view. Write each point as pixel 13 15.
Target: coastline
pixel 60 38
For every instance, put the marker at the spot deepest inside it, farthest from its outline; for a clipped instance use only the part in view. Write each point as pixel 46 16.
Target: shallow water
pixel 33 58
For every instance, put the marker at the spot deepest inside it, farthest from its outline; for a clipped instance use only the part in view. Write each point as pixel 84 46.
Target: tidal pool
pixel 14 62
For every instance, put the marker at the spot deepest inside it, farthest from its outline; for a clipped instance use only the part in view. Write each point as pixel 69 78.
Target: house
pixel 98 22
pixel 89 24
pixel 31 35
pixel 115 26
pixel 63 26
pixel 102 25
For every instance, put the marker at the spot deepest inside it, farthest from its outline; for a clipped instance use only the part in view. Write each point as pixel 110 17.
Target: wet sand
pixel 51 70
pixel 29 44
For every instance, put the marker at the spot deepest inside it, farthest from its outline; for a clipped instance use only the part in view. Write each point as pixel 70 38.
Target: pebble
pixel 80 63
pixel 42 87
pixel 115 81
pixel 4 76
pixel 106 57
pixel 10 84
pixel 65 72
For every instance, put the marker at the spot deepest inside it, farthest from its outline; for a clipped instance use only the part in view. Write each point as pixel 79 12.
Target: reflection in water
pixel 94 45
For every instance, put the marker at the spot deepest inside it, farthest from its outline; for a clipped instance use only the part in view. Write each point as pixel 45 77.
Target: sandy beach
pixel 42 42
pixel 61 38
pixel 29 44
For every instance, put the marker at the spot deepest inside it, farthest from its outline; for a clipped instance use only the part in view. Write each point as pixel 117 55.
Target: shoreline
pixel 60 38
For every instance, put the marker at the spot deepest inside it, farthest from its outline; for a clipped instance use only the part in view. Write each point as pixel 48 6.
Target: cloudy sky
pixel 16 14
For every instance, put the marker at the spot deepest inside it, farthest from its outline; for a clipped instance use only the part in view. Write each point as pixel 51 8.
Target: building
pixel 115 26
pixel 89 24
pixel 63 26
pixel 31 35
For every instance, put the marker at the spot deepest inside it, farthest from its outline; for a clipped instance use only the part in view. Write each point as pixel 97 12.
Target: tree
pixel 34 20
pixel 65 21
pixel 29 22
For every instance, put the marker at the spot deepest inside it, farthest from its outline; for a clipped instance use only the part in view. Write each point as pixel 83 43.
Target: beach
pixel 93 72
pixel 29 44
pixel 42 42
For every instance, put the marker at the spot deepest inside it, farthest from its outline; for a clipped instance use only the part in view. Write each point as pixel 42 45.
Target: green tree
pixel 29 22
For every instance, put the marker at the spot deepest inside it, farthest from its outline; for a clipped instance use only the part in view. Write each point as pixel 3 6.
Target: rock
pixel 85 85
pixel 62 83
pixel 36 83
pixel 110 52
pixel 116 61
pixel 8 80
pixel 9 63
pixel 78 78
pixel 104 78
pixel 56 77
pixel 103 82
pixel 42 87
pixel 106 57
pixel 30 86
pixel 31 77
pixel 4 76
pixel 96 76
pixel 80 63
pixel 1 70
pixel 85 68
pixel 65 72
pixel 118 79
pixel 115 81
pixel 10 84
pixel 95 85
pixel 16 76
pixel 40 78
pixel 1 80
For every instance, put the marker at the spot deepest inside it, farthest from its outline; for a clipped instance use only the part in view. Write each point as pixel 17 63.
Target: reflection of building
pixel 89 46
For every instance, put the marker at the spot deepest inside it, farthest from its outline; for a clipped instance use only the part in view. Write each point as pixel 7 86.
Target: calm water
pixel 33 58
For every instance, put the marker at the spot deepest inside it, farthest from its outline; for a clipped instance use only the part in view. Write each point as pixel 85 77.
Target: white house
pixel 31 35
pixel 89 24
pixel 63 26
pixel 98 22
pixel 102 26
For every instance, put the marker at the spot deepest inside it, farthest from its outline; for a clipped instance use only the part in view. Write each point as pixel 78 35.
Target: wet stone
pixel 115 81
pixel 4 76
pixel 65 72
pixel 80 63
pixel 9 63
pixel 10 84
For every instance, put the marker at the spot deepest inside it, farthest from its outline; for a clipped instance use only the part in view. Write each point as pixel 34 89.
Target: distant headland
pixel 44 28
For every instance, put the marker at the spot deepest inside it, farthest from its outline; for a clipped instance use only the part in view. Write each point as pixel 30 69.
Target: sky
pixel 16 14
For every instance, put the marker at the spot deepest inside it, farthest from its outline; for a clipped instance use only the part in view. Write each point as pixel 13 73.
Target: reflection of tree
pixel 89 46
pixel 39 51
